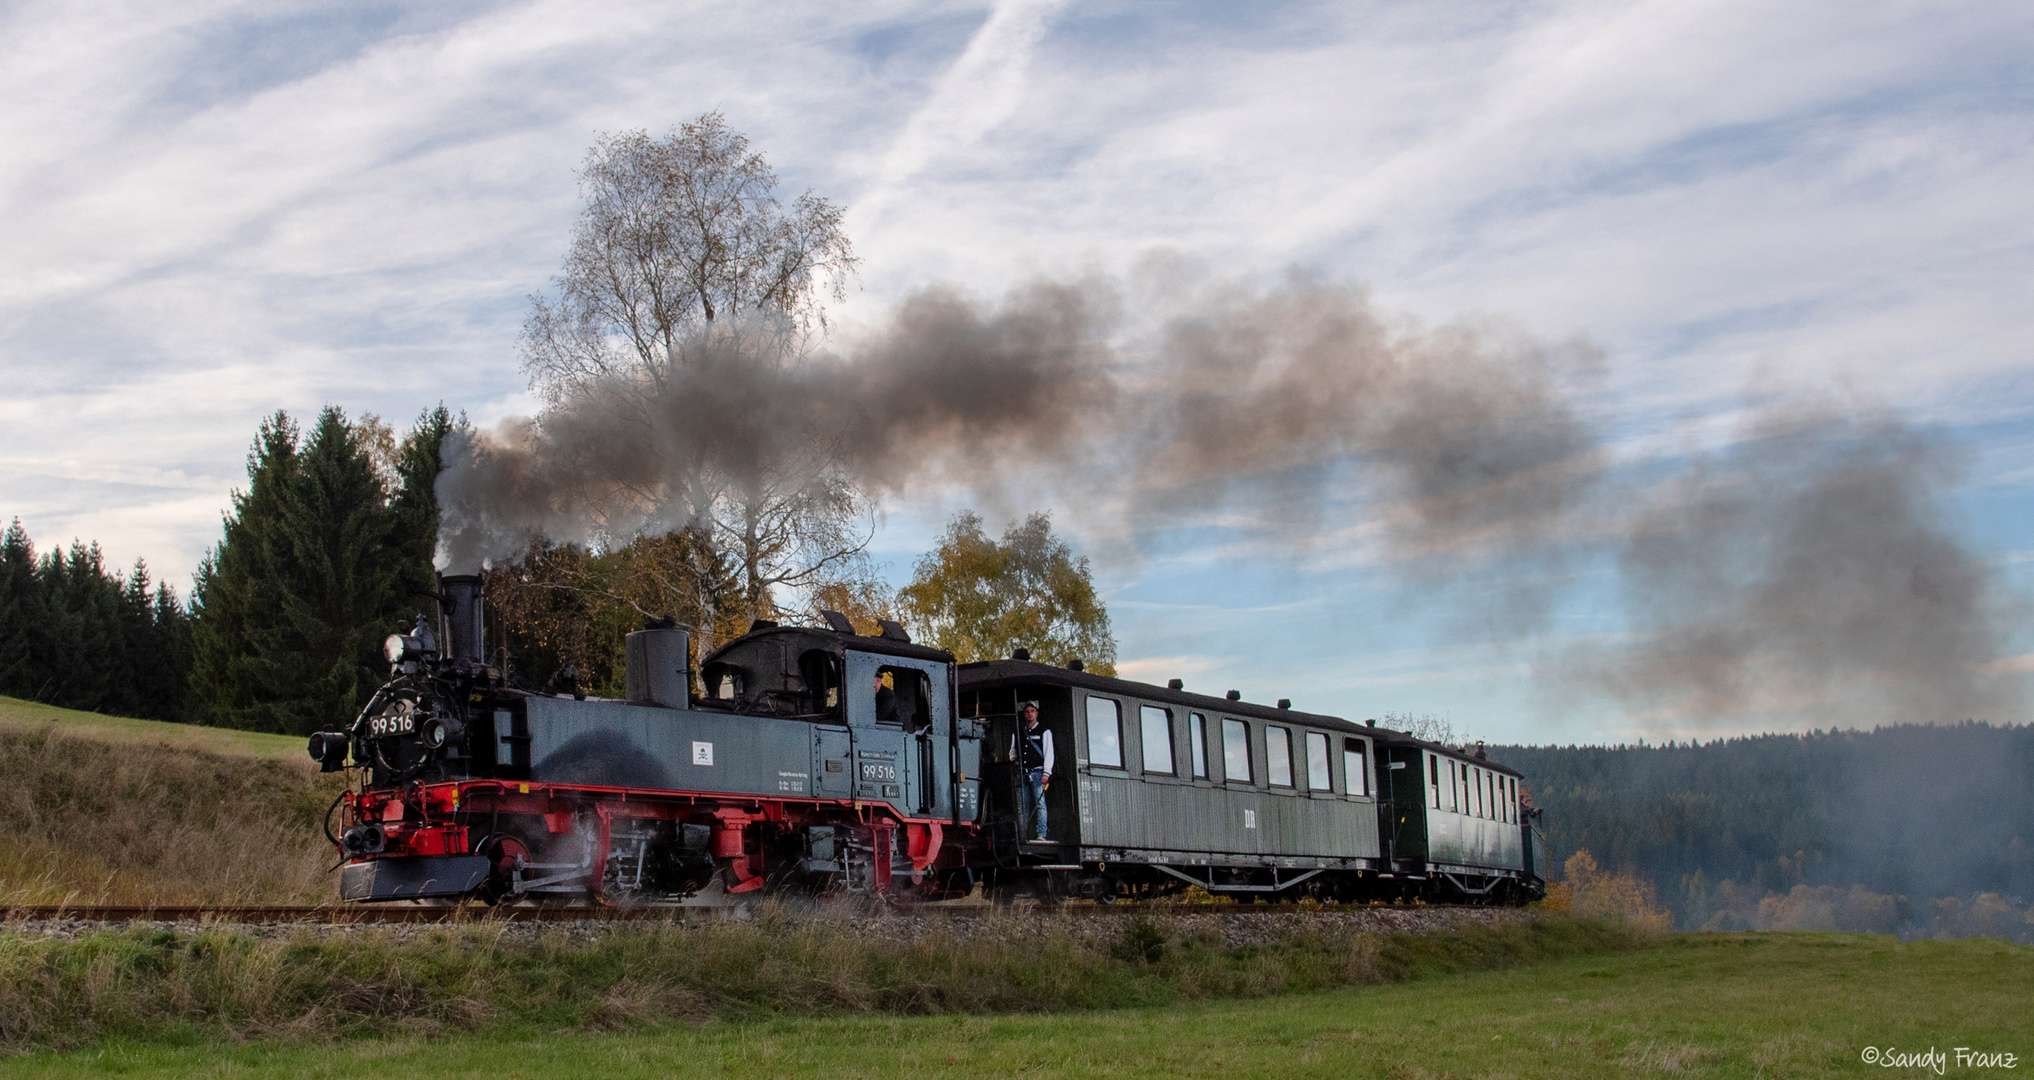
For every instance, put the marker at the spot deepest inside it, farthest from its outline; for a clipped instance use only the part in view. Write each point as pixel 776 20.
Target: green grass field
pixel 1696 1005
pixel 28 718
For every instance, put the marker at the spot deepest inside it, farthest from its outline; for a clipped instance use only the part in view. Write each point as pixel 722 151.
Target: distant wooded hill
pixel 1913 811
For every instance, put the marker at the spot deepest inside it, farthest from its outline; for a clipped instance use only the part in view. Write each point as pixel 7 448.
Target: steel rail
pixel 477 913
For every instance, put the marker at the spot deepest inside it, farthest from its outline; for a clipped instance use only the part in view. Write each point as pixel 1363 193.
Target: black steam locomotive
pixel 828 763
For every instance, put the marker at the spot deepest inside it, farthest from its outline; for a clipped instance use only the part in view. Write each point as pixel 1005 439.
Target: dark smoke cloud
pixel 1810 569
pixel 1253 399
pixel 1805 572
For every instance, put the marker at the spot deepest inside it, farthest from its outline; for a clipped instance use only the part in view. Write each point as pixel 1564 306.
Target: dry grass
pixel 88 818
pixel 307 984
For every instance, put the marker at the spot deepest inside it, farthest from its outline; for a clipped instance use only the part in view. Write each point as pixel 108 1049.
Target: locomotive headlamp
pixel 393 648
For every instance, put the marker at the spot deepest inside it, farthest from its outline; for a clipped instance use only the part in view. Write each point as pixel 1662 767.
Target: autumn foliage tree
pixel 980 599
pixel 1588 892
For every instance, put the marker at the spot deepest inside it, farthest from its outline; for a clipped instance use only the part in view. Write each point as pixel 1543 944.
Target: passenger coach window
pixel 1105 732
pixel 1355 770
pixel 1156 727
pixel 1197 743
pixel 1317 763
pixel 1236 751
pixel 1434 781
pixel 1278 756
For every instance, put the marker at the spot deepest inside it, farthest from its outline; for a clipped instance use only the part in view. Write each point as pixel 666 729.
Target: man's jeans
pixel 1034 800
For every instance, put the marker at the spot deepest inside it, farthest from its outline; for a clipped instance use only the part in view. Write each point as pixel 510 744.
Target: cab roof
pixel 802 638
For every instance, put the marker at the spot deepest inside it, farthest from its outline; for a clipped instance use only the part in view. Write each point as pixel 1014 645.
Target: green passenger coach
pixel 1155 789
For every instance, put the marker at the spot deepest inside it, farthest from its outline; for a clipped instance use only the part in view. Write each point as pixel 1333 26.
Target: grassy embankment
pixel 1692 1005
pixel 171 986
pixel 103 809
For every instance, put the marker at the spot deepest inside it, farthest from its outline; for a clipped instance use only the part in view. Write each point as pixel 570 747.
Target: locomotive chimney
pixel 460 593
pixel 659 670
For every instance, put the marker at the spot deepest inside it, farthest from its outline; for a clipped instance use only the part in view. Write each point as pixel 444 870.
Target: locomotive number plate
pixel 396 723
pixel 878 771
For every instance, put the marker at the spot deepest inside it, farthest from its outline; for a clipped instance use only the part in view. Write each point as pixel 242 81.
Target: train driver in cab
pixel 887 710
pixel 1034 757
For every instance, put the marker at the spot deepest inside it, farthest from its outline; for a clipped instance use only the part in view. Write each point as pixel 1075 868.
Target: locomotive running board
pixel 1275 886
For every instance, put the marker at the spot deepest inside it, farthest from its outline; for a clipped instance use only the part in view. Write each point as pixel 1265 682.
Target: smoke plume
pixel 1254 399
pixel 1805 571
pixel 1810 568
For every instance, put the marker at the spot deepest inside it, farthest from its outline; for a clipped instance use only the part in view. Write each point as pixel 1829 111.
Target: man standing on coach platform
pixel 1034 762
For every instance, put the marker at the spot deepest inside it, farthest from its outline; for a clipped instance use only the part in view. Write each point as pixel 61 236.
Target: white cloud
pixel 219 208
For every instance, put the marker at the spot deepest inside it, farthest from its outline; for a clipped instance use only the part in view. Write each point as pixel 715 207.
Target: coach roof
pixel 998 674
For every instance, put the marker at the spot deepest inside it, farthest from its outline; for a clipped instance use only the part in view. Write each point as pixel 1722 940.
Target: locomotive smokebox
pixel 460 595
pixel 660 668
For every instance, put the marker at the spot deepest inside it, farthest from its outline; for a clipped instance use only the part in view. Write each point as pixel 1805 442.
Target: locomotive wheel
pixel 506 853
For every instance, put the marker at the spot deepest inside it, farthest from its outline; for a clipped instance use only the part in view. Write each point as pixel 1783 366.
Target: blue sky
pixel 217 209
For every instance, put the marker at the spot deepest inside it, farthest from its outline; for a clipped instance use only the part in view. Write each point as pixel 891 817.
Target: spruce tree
pixel 151 685
pixel 318 561
pixel 79 647
pixel 20 603
pixel 234 595
pixel 415 505
pixel 341 568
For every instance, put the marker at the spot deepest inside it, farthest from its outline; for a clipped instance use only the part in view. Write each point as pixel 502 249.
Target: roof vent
pixel 1235 695
pixel 1021 654
pixel 893 631
pixel 761 624
pixel 1075 664
pixel 1285 703
pixel 1174 684
pixel 1369 723
pixel 837 622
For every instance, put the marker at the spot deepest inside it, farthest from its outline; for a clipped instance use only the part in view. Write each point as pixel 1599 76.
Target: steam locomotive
pixel 827 763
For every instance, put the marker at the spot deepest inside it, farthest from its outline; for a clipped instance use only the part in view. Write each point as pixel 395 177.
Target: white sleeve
pixel 1048 751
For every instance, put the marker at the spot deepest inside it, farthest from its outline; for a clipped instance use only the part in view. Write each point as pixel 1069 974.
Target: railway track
pixel 470 913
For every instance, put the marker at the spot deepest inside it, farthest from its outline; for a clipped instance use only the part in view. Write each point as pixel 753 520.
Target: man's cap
pixel 1023 705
